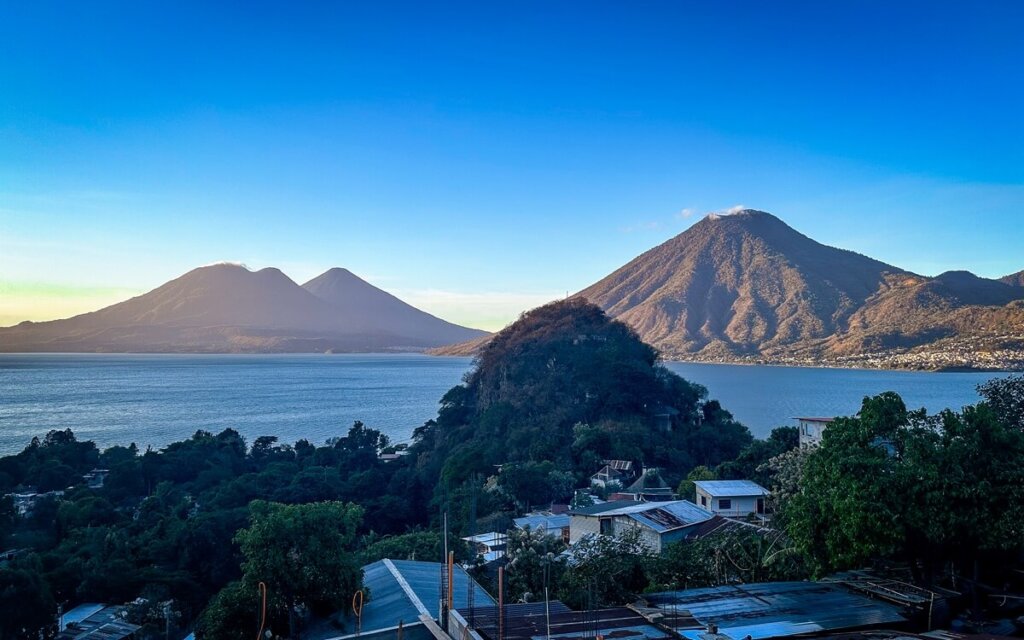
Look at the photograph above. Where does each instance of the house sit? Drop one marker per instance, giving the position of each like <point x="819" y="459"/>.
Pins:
<point x="767" y="610"/>
<point x="731" y="497"/>
<point x="556" y="524"/>
<point x="25" y="502"/>
<point x="811" y="429"/>
<point x="620" y="472"/>
<point x="649" y="487"/>
<point x="659" y="523"/>
<point x="93" y="620"/>
<point x="402" y="594"/>
<point x="95" y="478"/>
<point x="489" y="546"/>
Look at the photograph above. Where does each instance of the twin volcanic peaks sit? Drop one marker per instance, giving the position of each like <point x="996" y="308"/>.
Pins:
<point x="227" y="307"/>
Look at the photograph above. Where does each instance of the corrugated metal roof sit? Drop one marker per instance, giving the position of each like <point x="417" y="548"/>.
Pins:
<point x="776" y="609"/>
<point x="667" y="516"/>
<point x="731" y="488"/>
<point x="530" y="622"/>
<point x="81" y="612"/>
<point x="400" y="591"/>
<point x="603" y="507"/>
<point x="491" y="538"/>
<point x="538" y="521"/>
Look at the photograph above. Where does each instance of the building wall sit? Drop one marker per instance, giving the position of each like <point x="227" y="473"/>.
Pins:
<point x="649" y="537"/>
<point x="580" y="526"/>
<point x="741" y="506"/>
<point x="810" y="432"/>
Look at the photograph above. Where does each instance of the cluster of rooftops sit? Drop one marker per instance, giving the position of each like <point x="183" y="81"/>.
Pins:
<point x="409" y="601"/>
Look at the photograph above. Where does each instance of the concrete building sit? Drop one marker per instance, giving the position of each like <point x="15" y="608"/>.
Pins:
<point x="731" y="497"/>
<point x="659" y="523"/>
<point x="811" y="429"/>
<point x="620" y="472"/>
<point x="555" y="524"/>
<point x="489" y="546"/>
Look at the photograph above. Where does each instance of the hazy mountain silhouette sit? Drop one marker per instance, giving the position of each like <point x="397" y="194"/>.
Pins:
<point x="361" y="304"/>
<point x="228" y="308"/>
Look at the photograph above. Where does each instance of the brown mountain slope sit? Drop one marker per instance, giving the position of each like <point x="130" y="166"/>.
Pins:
<point x="223" y="308"/>
<point x="741" y="285"/>
<point x="747" y="287"/>
<point x="1014" y="279"/>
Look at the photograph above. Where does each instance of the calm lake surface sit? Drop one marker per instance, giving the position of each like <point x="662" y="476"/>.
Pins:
<point x="157" y="399"/>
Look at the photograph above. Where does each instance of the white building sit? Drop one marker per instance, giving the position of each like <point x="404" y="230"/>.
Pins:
<point x="731" y="497"/>
<point x="811" y="429"/>
<point x="660" y="523"/>
<point x="489" y="546"/>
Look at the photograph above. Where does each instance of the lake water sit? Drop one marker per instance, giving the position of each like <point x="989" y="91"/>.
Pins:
<point x="157" y="399"/>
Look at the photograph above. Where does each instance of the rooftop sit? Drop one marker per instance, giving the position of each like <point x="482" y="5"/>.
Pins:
<point x="604" y="507"/>
<point x="812" y="419"/>
<point x="400" y="591"/>
<point x="543" y="521"/>
<point x="771" y="610"/>
<point x="528" y="622"/>
<point x="660" y="516"/>
<point x="89" y="623"/>
<point x="731" y="488"/>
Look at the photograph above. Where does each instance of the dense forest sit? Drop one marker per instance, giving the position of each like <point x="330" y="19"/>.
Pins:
<point x="186" y="533"/>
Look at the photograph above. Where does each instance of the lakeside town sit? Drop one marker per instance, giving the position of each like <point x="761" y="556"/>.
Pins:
<point x="611" y="500"/>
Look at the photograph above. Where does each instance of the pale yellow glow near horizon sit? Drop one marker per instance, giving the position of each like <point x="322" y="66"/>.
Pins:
<point x="41" y="301"/>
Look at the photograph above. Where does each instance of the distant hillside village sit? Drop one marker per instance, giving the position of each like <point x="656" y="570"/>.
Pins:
<point x="570" y="488"/>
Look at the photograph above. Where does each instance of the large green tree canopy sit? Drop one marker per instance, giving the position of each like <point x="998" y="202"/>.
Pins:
<point x="567" y="385"/>
<point x="899" y="484"/>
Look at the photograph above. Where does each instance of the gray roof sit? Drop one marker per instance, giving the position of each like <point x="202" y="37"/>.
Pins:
<point x="665" y="516"/>
<point x="773" y="609"/>
<point x="659" y="516"/>
<point x="596" y="509"/>
<point x="731" y="488"/>
<point x="547" y="522"/>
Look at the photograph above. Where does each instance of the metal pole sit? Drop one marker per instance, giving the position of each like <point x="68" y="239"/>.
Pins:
<point x="547" y="611"/>
<point x="501" y="603"/>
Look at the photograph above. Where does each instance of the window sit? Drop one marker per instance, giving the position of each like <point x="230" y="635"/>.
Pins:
<point x="606" y="526"/>
<point x="725" y="504"/>
<point x="703" y="501"/>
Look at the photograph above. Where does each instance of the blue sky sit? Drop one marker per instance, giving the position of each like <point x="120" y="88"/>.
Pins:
<point x="480" y="158"/>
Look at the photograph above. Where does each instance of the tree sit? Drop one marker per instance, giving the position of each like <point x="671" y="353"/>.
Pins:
<point x="233" y="614"/>
<point x="1005" y="396"/>
<point x="737" y="552"/>
<point x="304" y="554"/>
<point x="687" y="490"/>
<point x="745" y="466"/>
<point x="929" y="490"/>
<point x="535" y="483"/>
<point x="535" y="564"/>
<point x="606" y="570"/>
<point x="415" y="545"/>
<point x="25" y="601"/>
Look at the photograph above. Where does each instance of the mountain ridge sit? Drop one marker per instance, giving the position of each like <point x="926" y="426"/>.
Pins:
<point x="746" y="287"/>
<point x="228" y="308"/>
